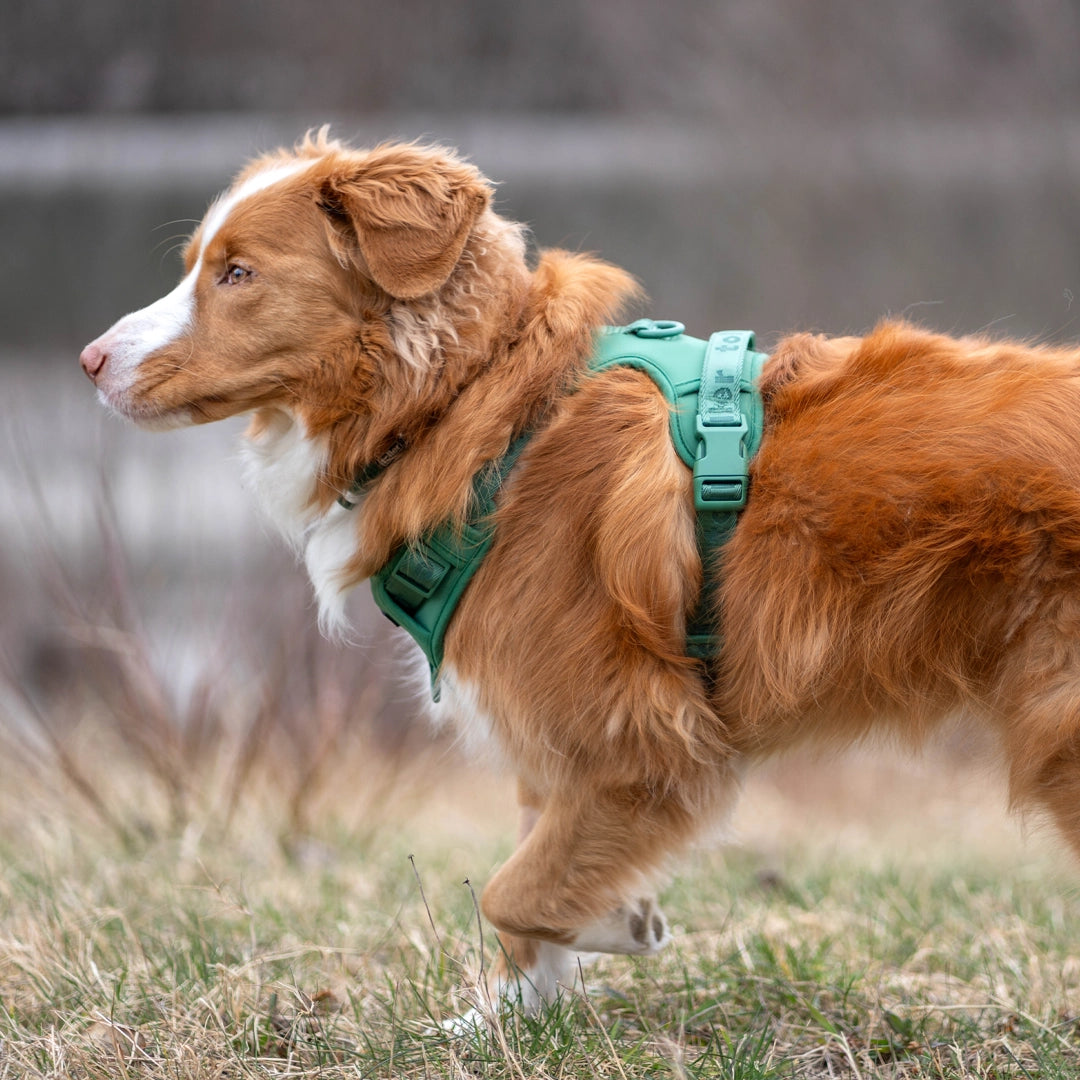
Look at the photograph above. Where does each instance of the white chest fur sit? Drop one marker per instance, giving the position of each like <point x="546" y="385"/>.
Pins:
<point x="282" y="466"/>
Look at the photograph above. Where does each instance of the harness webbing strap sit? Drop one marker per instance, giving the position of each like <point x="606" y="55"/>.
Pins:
<point x="721" y="375"/>
<point x="720" y="471"/>
<point x="713" y="531"/>
<point x="419" y="588"/>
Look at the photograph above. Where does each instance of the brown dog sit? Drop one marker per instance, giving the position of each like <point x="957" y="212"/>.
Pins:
<point x="911" y="547"/>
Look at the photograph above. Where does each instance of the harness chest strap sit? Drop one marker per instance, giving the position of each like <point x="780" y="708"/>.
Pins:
<point x="716" y="425"/>
<point x="419" y="588"/>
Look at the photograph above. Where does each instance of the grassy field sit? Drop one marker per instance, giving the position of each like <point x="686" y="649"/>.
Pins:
<point x="227" y="851"/>
<point x="866" y="921"/>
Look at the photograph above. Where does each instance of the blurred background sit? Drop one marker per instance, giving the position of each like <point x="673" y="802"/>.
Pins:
<point x="774" y="164"/>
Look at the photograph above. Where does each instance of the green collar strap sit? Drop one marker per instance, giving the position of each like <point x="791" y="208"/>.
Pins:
<point x="716" y="425"/>
<point x="370" y="471"/>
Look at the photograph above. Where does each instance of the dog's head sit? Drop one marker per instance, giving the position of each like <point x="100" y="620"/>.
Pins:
<point x="321" y="275"/>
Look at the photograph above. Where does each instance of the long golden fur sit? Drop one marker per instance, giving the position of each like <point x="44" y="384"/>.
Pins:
<point x="911" y="547"/>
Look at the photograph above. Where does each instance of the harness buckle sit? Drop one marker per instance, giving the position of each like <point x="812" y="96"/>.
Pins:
<point x="720" y="473"/>
<point x="721" y="470"/>
<point x="414" y="576"/>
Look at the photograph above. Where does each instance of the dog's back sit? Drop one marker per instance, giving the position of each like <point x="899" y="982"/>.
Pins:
<point x="923" y="497"/>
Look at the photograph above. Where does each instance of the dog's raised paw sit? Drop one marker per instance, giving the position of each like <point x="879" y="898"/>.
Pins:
<point x="637" y="928"/>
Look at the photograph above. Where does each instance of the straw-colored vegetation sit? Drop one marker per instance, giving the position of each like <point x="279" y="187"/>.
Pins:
<point x="261" y="882"/>
<point x="233" y="947"/>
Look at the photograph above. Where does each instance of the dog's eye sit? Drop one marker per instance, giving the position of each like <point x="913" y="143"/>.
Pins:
<point x="234" y="274"/>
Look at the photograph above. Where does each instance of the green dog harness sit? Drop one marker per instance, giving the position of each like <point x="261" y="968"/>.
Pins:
<point x="717" y="418"/>
<point x="716" y="426"/>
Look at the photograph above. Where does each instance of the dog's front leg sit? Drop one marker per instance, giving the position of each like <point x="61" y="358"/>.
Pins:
<point x="529" y="970"/>
<point x="578" y="881"/>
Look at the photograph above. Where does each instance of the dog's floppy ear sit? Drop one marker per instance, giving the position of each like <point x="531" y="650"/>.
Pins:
<point x="412" y="210"/>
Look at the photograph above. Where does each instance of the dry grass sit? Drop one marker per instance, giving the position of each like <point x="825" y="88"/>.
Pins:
<point x="220" y="876"/>
<point x="847" y="935"/>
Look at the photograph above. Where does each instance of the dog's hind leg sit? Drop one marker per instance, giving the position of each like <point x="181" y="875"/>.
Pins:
<point x="1051" y="783"/>
<point x="1058" y="793"/>
<point x="1039" y="707"/>
<point x="580" y="878"/>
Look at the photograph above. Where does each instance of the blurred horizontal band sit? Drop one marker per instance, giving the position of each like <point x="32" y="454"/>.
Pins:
<point x="204" y="150"/>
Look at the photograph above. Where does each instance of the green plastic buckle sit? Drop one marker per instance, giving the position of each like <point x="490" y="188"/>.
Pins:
<point x="414" y="577"/>
<point x="721" y="471"/>
<point x="418" y="573"/>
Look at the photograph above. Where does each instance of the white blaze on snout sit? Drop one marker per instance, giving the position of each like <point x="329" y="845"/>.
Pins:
<point x="142" y="333"/>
